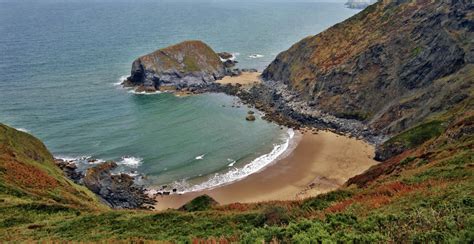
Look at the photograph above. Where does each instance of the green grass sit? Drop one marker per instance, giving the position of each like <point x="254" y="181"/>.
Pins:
<point x="200" y="203"/>
<point x="190" y="64"/>
<point x="419" y="134"/>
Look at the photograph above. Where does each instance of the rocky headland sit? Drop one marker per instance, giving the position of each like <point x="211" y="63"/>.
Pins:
<point x="390" y="67"/>
<point x="177" y="66"/>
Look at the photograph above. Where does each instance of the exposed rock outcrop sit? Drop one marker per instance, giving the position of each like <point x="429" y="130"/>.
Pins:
<point x="70" y="170"/>
<point x="118" y="190"/>
<point x="390" y="66"/>
<point x="180" y="65"/>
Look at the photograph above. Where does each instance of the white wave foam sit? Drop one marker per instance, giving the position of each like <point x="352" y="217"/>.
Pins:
<point x="144" y="93"/>
<point x="234" y="56"/>
<point x="23" y="130"/>
<point x="232" y="162"/>
<point x="200" y="157"/>
<point x="121" y="80"/>
<point x="73" y="159"/>
<point x="131" y="162"/>
<point x="256" y="56"/>
<point x="236" y="174"/>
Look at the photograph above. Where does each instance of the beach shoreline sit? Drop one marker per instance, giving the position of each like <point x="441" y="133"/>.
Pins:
<point x="246" y="79"/>
<point x="318" y="162"/>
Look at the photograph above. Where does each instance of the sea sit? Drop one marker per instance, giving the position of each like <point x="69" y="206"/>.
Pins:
<point x="61" y="63"/>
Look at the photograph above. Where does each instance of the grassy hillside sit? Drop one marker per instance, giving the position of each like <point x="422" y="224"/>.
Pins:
<point x="405" y="67"/>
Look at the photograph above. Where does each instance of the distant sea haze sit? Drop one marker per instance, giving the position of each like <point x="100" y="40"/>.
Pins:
<point x="61" y="60"/>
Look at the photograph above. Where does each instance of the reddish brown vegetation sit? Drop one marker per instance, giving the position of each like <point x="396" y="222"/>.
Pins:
<point x="376" y="171"/>
<point x="27" y="176"/>
<point x="381" y="195"/>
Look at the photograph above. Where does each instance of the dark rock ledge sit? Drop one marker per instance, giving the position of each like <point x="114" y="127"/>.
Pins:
<point x="116" y="190"/>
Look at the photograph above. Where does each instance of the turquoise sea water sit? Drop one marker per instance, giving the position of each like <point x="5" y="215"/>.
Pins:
<point x="59" y="62"/>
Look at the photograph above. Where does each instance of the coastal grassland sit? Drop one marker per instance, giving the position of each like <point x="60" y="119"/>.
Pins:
<point x="28" y="174"/>
<point x="189" y="56"/>
<point x="422" y="195"/>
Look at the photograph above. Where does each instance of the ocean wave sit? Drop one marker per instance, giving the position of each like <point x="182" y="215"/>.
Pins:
<point x="236" y="174"/>
<point x="121" y="80"/>
<point x="132" y="162"/>
<point x="256" y="56"/>
<point x="129" y="161"/>
<point x="144" y="92"/>
<point x="232" y="162"/>
<point x="23" y="130"/>
<point x="80" y="159"/>
<point x="234" y="56"/>
<point x="200" y="157"/>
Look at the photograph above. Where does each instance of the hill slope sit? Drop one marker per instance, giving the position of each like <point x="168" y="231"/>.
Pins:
<point x="28" y="174"/>
<point x="391" y="65"/>
<point x="370" y="68"/>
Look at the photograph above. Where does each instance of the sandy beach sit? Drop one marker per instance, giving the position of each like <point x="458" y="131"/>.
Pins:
<point x="245" y="79"/>
<point x="318" y="163"/>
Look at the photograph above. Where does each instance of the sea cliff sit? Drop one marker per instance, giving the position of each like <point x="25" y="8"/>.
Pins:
<point x="390" y="67"/>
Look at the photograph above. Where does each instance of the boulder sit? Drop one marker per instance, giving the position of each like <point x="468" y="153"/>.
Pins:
<point x="225" y="55"/>
<point x="250" y="117"/>
<point x="69" y="169"/>
<point x="229" y="63"/>
<point x="183" y="64"/>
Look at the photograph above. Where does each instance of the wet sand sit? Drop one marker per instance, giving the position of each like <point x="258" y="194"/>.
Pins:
<point x="318" y="163"/>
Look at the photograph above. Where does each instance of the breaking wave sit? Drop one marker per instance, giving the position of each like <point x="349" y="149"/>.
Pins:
<point x="235" y="174"/>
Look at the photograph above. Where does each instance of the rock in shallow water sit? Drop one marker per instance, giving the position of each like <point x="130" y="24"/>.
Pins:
<point x="250" y="117"/>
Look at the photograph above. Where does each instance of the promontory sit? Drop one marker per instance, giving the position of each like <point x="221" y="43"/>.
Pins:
<point x="181" y="65"/>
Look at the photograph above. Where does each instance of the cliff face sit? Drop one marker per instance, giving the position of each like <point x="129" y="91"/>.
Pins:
<point x="391" y="65"/>
<point x="189" y="62"/>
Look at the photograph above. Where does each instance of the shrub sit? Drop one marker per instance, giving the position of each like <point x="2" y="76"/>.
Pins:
<point x="323" y="201"/>
<point x="276" y="215"/>
<point x="200" y="203"/>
